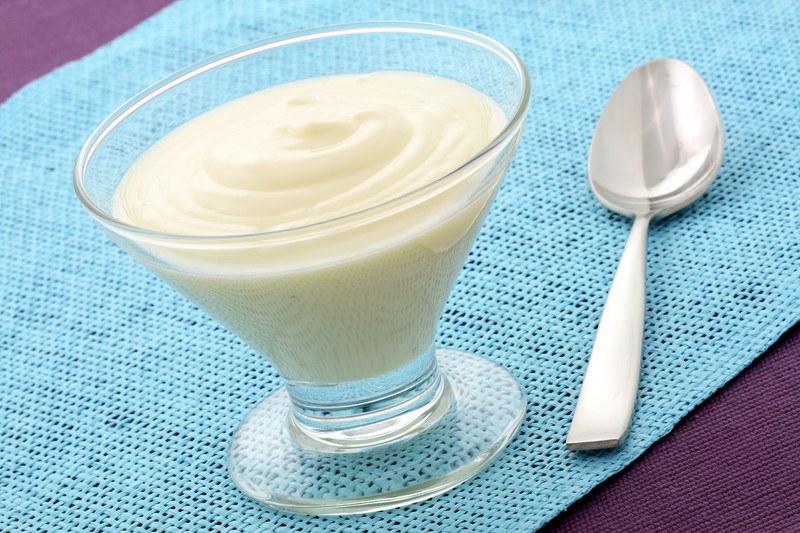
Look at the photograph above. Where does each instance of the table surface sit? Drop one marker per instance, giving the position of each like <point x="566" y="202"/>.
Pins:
<point x="730" y="478"/>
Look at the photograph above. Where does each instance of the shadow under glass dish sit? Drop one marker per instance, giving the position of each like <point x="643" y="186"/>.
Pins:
<point x="402" y="421"/>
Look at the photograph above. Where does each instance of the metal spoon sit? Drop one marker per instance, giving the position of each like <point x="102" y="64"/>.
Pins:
<point x="657" y="148"/>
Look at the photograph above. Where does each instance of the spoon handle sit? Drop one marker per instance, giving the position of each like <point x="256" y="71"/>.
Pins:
<point x="608" y="394"/>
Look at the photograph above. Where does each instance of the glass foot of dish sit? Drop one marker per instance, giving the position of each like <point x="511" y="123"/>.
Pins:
<point x="269" y="466"/>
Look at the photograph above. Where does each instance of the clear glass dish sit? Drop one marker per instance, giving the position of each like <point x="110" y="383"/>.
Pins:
<point x="371" y="416"/>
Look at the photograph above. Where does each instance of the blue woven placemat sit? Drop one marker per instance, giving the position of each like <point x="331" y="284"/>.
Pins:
<point x="118" y="397"/>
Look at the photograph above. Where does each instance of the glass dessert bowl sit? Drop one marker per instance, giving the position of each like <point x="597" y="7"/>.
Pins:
<point x="371" y="415"/>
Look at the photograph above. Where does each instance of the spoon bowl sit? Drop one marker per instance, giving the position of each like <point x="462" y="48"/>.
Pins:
<point x="659" y="142"/>
<point x="658" y="147"/>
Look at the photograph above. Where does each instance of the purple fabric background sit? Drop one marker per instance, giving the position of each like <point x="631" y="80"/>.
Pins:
<point x="731" y="465"/>
<point x="37" y="36"/>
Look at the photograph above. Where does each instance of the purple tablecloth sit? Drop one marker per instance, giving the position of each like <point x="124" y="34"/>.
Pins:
<point x="731" y="465"/>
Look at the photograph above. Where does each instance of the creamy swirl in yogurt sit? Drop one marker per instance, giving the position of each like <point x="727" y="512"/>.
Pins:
<point x="305" y="152"/>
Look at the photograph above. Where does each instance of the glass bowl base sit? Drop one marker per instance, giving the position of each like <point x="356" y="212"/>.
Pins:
<point x="268" y="465"/>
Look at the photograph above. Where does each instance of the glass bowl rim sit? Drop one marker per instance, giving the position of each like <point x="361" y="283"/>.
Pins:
<point x="285" y="39"/>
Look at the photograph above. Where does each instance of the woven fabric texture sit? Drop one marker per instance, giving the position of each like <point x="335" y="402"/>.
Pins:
<point x="118" y="396"/>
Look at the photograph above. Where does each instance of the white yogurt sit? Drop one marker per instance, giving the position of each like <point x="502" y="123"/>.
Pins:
<point x="338" y="301"/>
